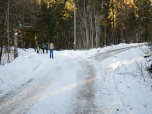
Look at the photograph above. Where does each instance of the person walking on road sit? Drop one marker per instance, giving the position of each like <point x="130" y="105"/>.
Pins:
<point x="37" y="48"/>
<point x="47" y="48"/>
<point x="43" y="47"/>
<point x="52" y="47"/>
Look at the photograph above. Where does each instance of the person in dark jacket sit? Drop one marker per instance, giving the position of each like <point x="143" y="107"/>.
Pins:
<point x="51" y="47"/>
<point x="47" y="48"/>
<point x="43" y="47"/>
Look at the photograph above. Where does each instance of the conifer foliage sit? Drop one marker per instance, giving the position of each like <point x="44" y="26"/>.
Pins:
<point x="98" y="23"/>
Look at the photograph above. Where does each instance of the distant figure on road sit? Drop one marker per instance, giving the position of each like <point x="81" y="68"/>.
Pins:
<point x="43" y="47"/>
<point x="37" y="46"/>
<point x="51" y="47"/>
<point x="47" y="48"/>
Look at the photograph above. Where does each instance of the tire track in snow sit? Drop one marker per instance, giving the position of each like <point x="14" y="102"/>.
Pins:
<point x="101" y="56"/>
<point x="24" y="96"/>
<point x="86" y="92"/>
<point x="104" y="55"/>
<point x="21" y="101"/>
<point x="120" y="95"/>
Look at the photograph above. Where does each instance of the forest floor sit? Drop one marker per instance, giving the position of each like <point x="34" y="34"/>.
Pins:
<point x="98" y="81"/>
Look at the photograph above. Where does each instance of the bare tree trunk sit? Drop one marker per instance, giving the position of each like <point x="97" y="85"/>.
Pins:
<point x="84" y="43"/>
<point x="135" y="36"/>
<point x="91" y="38"/>
<point x="113" y="32"/>
<point x="105" y="32"/>
<point x="74" y="25"/>
<point x="91" y="26"/>
<point x="105" y="39"/>
<point x="1" y="52"/>
<point x="113" y="25"/>
<point x="86" y="26"/>
<point x="97" y="29"/>
<point x="1" y="44"/>
<point x="92" y="31"/>
<point x="8" y="29"/>
<point x="144" y="34"/>
<point x="87" y="37"/>
<point x="15" y="45"/>
<point x="127" y="38"/>
<point x="149" y="33"/>
<point x="138" y="32"/>
<point x="121" y="30"/>
<point x="95" y="23"/>
<point x="126" y="34"/>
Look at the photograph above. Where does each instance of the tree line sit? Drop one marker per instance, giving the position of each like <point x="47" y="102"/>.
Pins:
<point x="98" y="23"/>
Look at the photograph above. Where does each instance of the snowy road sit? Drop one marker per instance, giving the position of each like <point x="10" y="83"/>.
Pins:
<point x="71" y="83"/>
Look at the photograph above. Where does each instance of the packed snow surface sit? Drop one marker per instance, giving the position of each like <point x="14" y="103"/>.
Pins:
<point x="98" y="81"/>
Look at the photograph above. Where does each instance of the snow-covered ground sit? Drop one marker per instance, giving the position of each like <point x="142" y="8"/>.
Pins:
<point x="99" y="81"/>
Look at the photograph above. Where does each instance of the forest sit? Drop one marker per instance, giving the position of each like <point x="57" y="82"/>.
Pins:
<point x="99" y="23"/>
